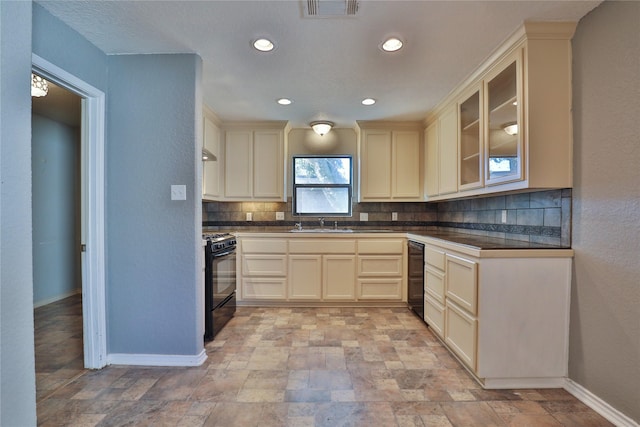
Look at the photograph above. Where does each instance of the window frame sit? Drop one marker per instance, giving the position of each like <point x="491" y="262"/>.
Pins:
<point x="295" y="186"/>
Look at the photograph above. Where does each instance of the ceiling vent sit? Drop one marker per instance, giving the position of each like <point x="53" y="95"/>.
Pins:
<point x="329" y="8"/>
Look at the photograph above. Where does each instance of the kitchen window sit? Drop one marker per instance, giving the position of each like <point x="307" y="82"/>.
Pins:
<point x="322" y="185"/>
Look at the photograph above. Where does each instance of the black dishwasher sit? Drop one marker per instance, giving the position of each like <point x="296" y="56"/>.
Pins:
<point x="416" y="278"/>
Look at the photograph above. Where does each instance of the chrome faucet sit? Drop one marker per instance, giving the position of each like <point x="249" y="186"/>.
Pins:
<point x="321" y="219"/>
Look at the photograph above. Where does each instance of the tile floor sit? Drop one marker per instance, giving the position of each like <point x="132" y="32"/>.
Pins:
<point x="289" y="367"/>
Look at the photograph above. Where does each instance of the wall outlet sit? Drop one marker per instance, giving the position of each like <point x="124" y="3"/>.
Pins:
<point x="249" y="216"/>
<point x="279" y="216"/>
<point x="178" y="192"/>
<point x="394" y="216"/>
<point x="504" y="216"/>
<point x="364" y="216"/>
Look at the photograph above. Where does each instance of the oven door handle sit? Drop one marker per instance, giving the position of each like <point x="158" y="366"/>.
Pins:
<point x="224" y="253"/>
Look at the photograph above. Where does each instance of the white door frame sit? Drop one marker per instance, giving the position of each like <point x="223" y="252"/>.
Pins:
<point x="92" y="208"/>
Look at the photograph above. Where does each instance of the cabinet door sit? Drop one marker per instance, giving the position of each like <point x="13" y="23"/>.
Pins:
<point x="503" y="90"/>
<point x="434" y="315"/>
<point x="264" y="288"/>
<point x="376" y="165"/>
<point x="470" y="143"/>
<point x="268" y="165"/>
<point x="448" y="151"/>
<point x="238" y="164"/>
<point x="211" y="167"/>
<point x="305" y="275"/>
<point x="338" y="278"/>
<point x="432" y="162"/>
<point x="461" y="333"/>
<point x="406" y="165"/>
<point x="462" y="282"/>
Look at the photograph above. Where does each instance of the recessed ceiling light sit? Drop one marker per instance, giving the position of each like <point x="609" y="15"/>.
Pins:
<point x="263" y="45"/>
<point x="284" y="101"/>
<point x="368" y="101"/>
<point x="391" y="44"/>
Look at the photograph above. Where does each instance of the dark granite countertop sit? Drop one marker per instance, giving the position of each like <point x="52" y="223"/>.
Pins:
<point x="481" y="242"/>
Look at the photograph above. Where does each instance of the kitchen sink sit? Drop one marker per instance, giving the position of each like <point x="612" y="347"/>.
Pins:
<point x="322" y="230"/>
<point x="339" y="230"/>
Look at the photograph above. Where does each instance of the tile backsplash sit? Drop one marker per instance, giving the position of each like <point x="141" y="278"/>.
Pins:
<point x="540" y="217"/>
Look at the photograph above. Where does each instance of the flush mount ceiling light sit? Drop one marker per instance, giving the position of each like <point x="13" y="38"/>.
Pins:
<point x="284" y="101"/>
<point x="263" y="45"/>
<point x="321" y="127"/>
<point x="368" y="101"/>
<point x="510" y="128"/>
<point x="39" y="86"/>
<point x="392" y="44"/>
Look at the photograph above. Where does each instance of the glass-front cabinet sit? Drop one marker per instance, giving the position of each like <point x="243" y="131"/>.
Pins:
<point x="503" y="101"/>
<point x="471" y="149"/>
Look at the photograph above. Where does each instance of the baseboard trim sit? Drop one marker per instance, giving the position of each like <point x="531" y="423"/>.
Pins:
<point x="598" y="405"/>
<point x="156" y="359"/>
<point x="48" y="301"/>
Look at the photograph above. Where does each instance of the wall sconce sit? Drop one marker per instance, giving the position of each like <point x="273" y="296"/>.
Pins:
<point x="321" y="127"/>
<point x="510" y="128"/>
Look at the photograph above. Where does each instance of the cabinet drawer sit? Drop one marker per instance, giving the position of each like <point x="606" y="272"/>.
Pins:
<point x="264" y="265"/>
<point x="322" y="246"/>
<point x="461" y="334"/>
<point x="377" y="289"/>
<point x="462" y="282"/>
<point x="380" y="265"/>
<point x="264" y="288"/>
<point x="269" y="246"/>
<point x="381" y="246"/>
<point x="434" y="315"/>
<point x="434" y="284"/>
<point x="434" y="258"/>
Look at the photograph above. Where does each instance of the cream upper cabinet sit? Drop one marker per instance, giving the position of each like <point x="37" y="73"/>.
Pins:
<point x="441" y="141"/>
<point x="254" y="164"/>
<point x="390" y="165"/>
<point x="211" y="166"/>
<point x="514" y="127"/>
<point x="471" y="149"/>
<point x="503" y="139"/>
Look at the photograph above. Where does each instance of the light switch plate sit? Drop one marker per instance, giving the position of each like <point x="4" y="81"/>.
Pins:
<point x="394" y="216"/>
<point x="504" y="216"/>
<point x="279" y="216"/>
<point x="364" y="216"/>
<point x="249" y="216"/>
<point x="178" y="192"/>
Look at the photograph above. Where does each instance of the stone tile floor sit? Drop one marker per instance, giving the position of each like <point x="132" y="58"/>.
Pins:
<point x="290" y="367"/>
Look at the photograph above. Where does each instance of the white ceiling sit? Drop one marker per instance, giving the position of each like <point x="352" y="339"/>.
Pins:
<point x="325" y="65"/>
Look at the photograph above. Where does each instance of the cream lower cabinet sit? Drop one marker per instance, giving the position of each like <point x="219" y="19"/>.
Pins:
<point x="434" y="287"/>
<point x="381" y="269"/>
<point x="461" y="291"/>
<point x="503" y="313"/>
<point x="320" y="270"/>
<point x="262" y="269"/>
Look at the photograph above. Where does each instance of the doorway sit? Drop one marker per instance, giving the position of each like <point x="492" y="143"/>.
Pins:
<point x="91" y="207"/>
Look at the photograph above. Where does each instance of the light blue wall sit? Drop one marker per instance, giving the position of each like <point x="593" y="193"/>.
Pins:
<point x="56" y="191"/>
<point x="17" y="366"/>
<point x="153" y="288"/>
<point x="59" y="44"/>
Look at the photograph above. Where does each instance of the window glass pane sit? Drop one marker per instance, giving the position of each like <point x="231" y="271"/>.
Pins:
<point x="322" y="170"/>
<point x="325" y="201"/>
